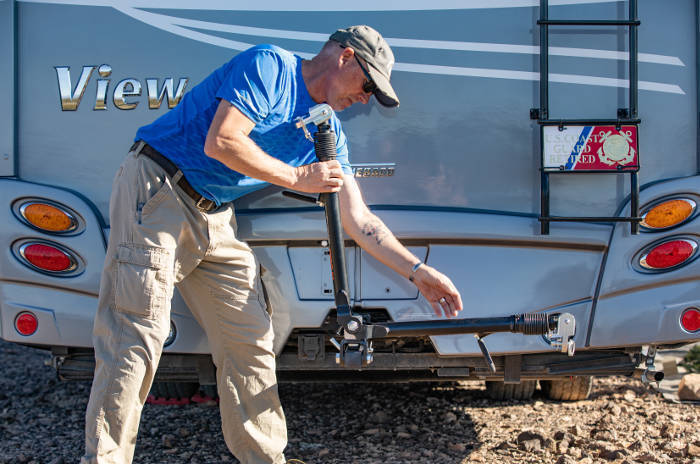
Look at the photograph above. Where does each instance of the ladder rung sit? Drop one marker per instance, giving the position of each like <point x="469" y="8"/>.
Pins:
<point x="588" y="22"/>
<point x="588" y="122"/>
<point x="588" y="219"/>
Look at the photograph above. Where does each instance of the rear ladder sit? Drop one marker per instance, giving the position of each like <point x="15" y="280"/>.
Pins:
<point x="611" y="136"/>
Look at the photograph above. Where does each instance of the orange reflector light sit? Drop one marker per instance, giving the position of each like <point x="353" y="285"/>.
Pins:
<point x="669" y="254"/>
<point x="47" y="217"/>
<point x="669" y="213"/>
<point x="47" y="257"/>
<point x="26" y="323"/>
<point x="690" y="319"/>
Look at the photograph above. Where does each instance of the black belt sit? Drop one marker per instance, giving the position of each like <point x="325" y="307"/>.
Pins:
<point x="202" y="203"/>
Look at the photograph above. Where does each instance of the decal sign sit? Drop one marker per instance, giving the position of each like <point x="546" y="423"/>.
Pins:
<point x="590" y="148"/>
<point x="125" y="94"/>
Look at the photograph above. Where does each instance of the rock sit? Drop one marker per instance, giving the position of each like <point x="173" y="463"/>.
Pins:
<point x="549" y="444"/>
<point x="574" y="452"/>
<point x="613" y="408"/>
<point x="168" y="440"/>
<point x="629" y="396"/>
<point x="639" y="446"/>
<point x="562" y="446"/>
<point x="611" y="455"/>
<point x="669" y="430"/>
<point x="675" y="445"/>
<point x="529" y="435"/>
<point x="646" y="457"/>
<point x="450" y="417"/>
<point x="323" y="452"/>
<point x="183" y="432"/>
<point x="476" y="457"/>
<point x="530" y="445"/>
<point x="604" y="435"/>
<point x="371" y="432"/>
<point x="565" y="460"/>
<point x="693" y="450"/>
<point x="457" y="447"/>
<point x="403" y="435"/>
<point x="576" y="430"/>
<point x="689" y="388"/>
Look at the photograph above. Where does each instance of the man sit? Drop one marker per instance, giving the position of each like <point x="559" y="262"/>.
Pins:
<point x="172" y="224"/>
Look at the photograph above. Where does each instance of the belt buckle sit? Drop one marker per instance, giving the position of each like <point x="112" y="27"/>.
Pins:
<point x="200" y="204"/>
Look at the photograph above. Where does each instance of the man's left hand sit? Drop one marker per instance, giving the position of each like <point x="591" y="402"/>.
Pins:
<point x="439" y="290"/>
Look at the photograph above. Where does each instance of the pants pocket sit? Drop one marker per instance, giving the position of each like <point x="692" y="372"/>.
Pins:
<point x="144" y="283"/>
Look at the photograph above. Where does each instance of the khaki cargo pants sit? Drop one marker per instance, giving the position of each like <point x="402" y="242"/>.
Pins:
<point x="160" y="240"/>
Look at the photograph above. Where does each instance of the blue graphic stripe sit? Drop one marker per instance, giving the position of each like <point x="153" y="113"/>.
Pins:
<point x="578" y="147"/>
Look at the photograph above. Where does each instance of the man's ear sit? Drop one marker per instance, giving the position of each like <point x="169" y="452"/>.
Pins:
<point x="346" y="56"/>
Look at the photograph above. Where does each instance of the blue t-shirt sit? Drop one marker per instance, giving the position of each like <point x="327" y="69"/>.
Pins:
<point x="266" y="85"/>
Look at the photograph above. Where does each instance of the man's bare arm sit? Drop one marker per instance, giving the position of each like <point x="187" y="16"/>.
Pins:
<point x="375" y="237"/>
<point x="228" y="142"/>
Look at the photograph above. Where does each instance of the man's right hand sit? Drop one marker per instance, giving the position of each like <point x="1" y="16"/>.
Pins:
<point x="320" y="177"/>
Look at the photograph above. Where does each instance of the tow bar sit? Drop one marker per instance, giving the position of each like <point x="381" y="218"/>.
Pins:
<point x="355" y="347"/>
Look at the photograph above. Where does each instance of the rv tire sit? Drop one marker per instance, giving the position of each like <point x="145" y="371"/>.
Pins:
<point x="568" y="389"/>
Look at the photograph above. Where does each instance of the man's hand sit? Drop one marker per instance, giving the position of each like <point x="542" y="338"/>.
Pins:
<point x="321" y="177"/>
<point x="439" y="290"/>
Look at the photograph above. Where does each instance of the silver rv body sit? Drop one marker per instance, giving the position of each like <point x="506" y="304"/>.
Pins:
<point x="454" y="173"/>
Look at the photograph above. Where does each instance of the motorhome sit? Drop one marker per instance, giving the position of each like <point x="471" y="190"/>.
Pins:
<point x="544" y="156"/>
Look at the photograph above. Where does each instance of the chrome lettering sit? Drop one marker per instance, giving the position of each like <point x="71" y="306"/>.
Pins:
<point x="155" y="98"/>
<point x="71" y="100"/>
<point x="104" y="70"/>
<point x="126" y="88"/>
<point x="373" y="171"/>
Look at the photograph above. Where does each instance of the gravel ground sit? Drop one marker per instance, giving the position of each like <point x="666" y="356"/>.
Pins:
<point x="41" y="421"/>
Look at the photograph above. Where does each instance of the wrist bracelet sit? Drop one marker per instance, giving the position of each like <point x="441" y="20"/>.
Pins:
<point x="414" y="269"/>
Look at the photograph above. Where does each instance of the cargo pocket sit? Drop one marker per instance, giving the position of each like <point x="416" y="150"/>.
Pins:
<point x="144" y="283"/>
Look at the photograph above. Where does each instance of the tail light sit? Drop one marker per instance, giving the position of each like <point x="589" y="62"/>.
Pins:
<point x="48" y="257"/>
<point x="669" y="213"/>
<point x="668" y="254"/>
<point x="171" y="335"/>
<point x="48" y="216"/>
<point x="690" y="320"/>
<point x="26" y="323"/>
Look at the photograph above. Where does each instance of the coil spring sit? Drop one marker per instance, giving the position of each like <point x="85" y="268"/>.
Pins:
<point x="324" y="143"/>
<point x="533" y="324"/>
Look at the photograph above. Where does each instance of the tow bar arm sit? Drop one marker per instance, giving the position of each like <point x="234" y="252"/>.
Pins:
<point x="355" y="346"/>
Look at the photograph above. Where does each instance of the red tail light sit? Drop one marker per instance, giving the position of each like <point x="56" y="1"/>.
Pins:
<point x="46" y="257"/>
<point x="669" y="254"/>
<point x="690" y="320"/>
<point x="26" y="323"/>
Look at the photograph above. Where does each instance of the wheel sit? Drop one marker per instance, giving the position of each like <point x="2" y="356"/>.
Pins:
<point x="511" y="391"/>
<point x="568" y="389"/>
<point x="174" y="389"/>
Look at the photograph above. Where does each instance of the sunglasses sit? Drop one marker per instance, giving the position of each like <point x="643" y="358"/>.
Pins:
<point x="368" y="86"/>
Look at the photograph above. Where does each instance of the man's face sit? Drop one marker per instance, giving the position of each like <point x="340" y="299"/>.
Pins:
<point x="346" y="83"/>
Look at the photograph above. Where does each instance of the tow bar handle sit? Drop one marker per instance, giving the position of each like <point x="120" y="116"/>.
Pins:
<point x="355" y="347"/>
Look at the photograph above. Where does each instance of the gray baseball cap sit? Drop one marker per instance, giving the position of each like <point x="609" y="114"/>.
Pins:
<point x="371" y="47"/>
